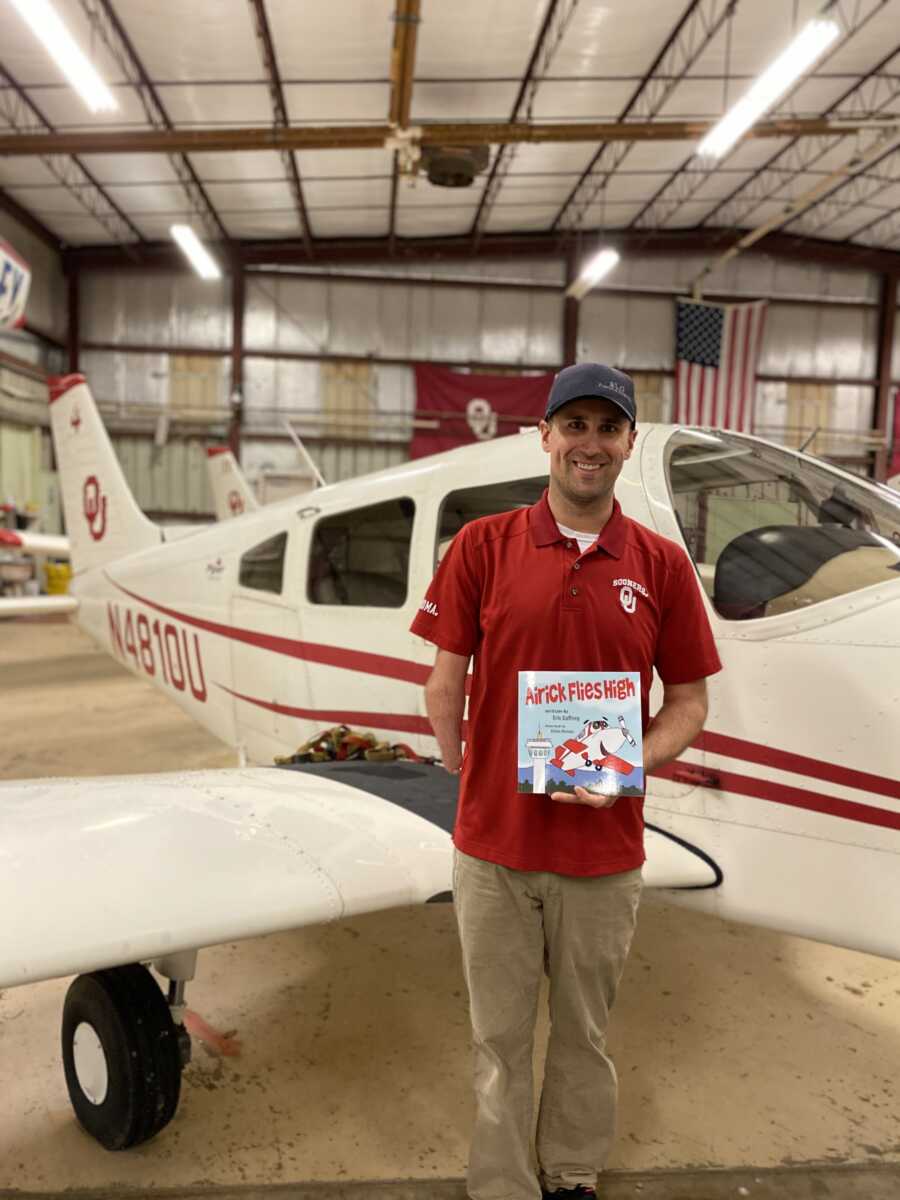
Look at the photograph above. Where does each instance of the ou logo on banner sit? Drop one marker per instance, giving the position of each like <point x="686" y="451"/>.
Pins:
<point x="482" y="419"/>
<point x="94" y="507"/>
<point x="235" y="503"/>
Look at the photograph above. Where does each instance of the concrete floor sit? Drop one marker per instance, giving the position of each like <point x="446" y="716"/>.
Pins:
<point x="744" y="1056"/>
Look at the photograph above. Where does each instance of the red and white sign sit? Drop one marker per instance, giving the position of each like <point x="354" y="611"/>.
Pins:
<point x="473" y="408"/>
<point x="15" y="280"/>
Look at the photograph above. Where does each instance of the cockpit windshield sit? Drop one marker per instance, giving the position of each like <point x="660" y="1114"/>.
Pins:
<point x="772" y="533"/>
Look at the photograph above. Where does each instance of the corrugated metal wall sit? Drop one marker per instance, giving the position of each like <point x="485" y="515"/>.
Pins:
<point x="331" y="324"/>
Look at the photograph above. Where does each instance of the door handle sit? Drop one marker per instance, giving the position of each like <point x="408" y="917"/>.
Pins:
<point x="695" y="775"/>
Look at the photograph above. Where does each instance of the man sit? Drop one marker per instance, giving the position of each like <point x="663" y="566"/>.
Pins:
<point x="553" y="882"/>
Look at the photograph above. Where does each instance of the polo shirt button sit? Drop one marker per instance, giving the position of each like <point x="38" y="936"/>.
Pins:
<point x="576" y="567"/>
<point x="574" y="591"/>
<point x="569" y="545"/>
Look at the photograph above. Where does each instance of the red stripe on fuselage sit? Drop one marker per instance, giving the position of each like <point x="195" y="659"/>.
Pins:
<point x="799" y="764"/>
<point x="406" y="724"/>
<point x="794" y="797"/>
<point x="716" y="743"/>
<point x="332" y="656"/>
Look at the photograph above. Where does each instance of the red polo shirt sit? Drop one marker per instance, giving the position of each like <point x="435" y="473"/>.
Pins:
<point x="516" y="593"/>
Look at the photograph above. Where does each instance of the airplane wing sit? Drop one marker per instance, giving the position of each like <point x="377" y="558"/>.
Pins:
<point x="35" y="543"/>
<point x="101" y="872"/>
<point x="35" y="606"/>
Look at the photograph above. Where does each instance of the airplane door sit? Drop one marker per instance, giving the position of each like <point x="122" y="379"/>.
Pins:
<point x="268" y="676"/>
<point x="358" y="592"/>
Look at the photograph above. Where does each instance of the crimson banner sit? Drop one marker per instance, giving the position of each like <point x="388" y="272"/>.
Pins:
<point x="894" y="462"/>
<point x="472" y="408"/>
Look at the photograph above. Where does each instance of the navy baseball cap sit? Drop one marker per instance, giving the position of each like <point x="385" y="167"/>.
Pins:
<point x="592" y="379"/>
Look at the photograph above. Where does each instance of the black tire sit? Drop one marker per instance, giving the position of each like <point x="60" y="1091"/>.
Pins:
<point x="129" y="1015"/>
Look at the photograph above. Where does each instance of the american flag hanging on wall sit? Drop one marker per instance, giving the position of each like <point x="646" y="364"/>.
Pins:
<point x="716" y="352"/>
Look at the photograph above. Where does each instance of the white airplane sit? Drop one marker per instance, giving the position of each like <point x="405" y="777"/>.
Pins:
<point x="231" y="498"/>
<point x="595" y="744"/>
<point x="784" y="813"/>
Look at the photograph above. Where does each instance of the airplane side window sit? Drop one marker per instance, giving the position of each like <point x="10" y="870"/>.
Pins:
<point x="467" y="504"/>
<point x="262" y="567"/>
<point x="362" y="557"/>
<point x="771" y="533"/>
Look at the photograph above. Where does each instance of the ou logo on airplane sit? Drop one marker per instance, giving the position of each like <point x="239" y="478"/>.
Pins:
<point x="235" y="503"/>
<point x="94" y="507"/>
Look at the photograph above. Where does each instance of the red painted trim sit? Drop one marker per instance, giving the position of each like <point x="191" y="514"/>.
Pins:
<point x="60" y="384"/>
<point x="212" y="451"/>
<point x="400" y="721"/>
<point x="794" y="797"/>
<point x="14" y="255"/>
<point x="332" y="656"/>
<point x="784" y="760"/>
<point x="8" y="538"/>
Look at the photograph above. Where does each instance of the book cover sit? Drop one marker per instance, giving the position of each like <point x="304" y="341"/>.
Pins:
<point x="580" y="728"/>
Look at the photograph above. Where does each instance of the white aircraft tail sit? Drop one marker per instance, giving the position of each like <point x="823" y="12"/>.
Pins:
<point x="231" y="491"/>
<point x="102" y="518"/>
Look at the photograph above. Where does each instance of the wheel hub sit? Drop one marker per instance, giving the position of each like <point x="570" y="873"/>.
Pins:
<point x="90" y="1063"/>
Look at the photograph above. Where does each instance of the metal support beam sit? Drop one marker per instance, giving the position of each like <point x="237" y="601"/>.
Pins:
<point x="693" y="173"/>
<point x="403" y="70"/>
<point x="236" y="392"/>
<point x="699" y="24"/>
<point x="73" y="320"/>
<point x="279" y="108"/>
<point x="571" y="312"/>
<point x="105" y="23"/>
<point x="164" y="256"/>
<point x="887" y="323"/>
<point x="374" y="137"/>
<point x="28" y="221"/>
<point x="553" y="27"/>
<point x="20" y="112"/>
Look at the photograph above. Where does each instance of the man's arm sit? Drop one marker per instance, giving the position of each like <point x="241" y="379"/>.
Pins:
<point x="676" y="724"/>
<point x="674" y="727"/>
<point x="445" y="701"/>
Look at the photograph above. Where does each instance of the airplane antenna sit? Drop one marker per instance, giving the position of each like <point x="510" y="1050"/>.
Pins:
<point x="812" y="437"/>
<point x="304" y="453"/>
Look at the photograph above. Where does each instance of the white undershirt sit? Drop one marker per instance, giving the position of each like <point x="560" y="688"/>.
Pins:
<point x="584" y="540"/>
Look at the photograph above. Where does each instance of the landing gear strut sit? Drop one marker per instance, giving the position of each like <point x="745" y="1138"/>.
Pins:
<point x="123" y="1050"/>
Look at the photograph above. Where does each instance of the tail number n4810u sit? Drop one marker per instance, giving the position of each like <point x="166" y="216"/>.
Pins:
<point x="158" y="643"/>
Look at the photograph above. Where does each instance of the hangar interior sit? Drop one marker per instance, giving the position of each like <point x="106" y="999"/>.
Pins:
<point x="385" y="183"/>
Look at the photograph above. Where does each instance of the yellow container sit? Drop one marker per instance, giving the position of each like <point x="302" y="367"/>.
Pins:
<point x="58" y="576"/>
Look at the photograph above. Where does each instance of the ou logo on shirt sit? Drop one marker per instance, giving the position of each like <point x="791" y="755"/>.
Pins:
<point x="627" y="599"/>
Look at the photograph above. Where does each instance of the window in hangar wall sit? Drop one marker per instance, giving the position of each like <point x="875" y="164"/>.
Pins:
<point x="770" y="533"/>
<point x="361" y="557"/>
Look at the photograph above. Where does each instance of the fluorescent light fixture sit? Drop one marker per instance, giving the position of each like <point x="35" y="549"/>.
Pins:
<point x="812" y="40"/>
<point x="197" y="254"/>
<point x="50" y="31"/>
<point x="592" y="272"/>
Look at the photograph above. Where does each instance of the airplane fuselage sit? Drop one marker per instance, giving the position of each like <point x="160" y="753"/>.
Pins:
<point x="792" y="787"/>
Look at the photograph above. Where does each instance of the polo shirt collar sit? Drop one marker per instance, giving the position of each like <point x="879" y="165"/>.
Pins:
<point x="544" y="529"/>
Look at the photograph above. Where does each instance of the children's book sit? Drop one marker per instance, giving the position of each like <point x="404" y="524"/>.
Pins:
<point x="580" y="728"/>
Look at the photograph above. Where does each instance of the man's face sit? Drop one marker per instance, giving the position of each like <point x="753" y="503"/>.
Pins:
<point x="588" y="441"/>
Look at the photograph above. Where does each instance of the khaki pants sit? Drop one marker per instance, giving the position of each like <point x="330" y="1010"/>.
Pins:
<point x="513" y="925"/>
